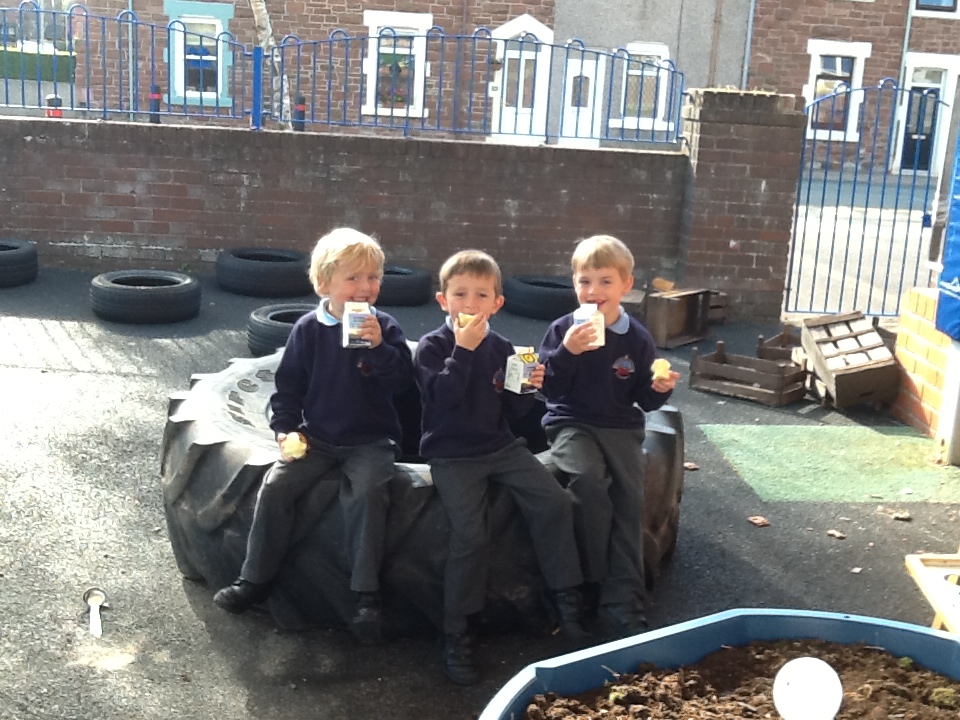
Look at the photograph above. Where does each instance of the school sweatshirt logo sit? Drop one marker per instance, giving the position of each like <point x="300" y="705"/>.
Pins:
<point x="498" y="377"/>
<point x="364" y="367"/>
<point x="623" y="367"/>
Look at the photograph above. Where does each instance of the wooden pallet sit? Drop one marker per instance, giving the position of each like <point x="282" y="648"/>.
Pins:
<point x="936" y="575"/>
<point x="678" y="317"/>
<point x="719" y="302"/>
<point x="779" y="347"/>
<point x="851" y="359"/>
<point x="770" y="382"/>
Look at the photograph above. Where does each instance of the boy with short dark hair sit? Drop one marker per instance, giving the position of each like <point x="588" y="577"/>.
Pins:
<point x="596" y="397"/>
<point x="468" y="443"/>
<point x="339" y="401"/>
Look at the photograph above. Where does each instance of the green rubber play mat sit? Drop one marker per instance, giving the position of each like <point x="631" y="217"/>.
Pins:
<point x="836" y="464"/>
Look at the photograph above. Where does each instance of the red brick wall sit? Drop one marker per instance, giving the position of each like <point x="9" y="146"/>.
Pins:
<point x="922" y="354"/>
<point x="935" y="35"/>
<point x="101" y="195"/>
<point x="741" y="190"/>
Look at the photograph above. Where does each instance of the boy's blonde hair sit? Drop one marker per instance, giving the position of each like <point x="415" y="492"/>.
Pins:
<point x="471" y="262"/>
<point x="343" y="247"/>
<point x="602" y="251"/>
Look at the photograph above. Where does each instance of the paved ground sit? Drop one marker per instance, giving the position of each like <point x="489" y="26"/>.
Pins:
<point x="83" y="409"/>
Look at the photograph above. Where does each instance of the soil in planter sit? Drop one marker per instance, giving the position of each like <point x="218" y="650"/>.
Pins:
<point x="738" y="683"/>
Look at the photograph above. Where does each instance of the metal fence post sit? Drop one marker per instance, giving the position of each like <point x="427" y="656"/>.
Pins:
<point x="256" y="111"/>
<point x="155" y="97"/>
<point x="300" y="113"/>
<point x="54" y="106"/>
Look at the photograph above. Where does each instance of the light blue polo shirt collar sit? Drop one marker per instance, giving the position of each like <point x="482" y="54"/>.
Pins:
<point x="622" y="323"/>
<point x="324" y="316"/>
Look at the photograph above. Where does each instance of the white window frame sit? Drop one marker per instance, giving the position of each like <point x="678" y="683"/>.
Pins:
<point x="644" y="123"/>
<point x="953" y="14"/>
<point x="177" y="70"/>
<point x="859" y="51"/>
<point x="406" y="25"/>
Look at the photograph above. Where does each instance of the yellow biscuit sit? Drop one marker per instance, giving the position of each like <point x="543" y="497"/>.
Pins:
<point x="661" y="369"/>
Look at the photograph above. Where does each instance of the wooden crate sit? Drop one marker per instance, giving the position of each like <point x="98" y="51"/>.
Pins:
<point x="771" y="382"/>
<point x="851" y="359"/>
<point x="635" y="304"/>
<point x="718" y="306"/>
<point x="779" y="347"/>
<point x="677" y="317"/>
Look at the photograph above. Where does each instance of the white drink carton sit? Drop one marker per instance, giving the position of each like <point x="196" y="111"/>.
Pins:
<point x="519" y="368"/>
<point x="588" y="312"/>
<point x="354" y="314"/>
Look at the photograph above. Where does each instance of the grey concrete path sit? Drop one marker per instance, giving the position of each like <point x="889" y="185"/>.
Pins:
<point x="83" y="409"/>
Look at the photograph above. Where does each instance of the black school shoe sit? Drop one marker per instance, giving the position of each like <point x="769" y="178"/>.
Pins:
<point x="622" y="620"/>
<point x="367" y="624"/>
<point x="241" y="595"/>
<point x="458" y="663"/>
<point x="569" y="607"/>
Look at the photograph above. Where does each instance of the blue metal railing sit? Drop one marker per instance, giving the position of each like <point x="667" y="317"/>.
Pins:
<point x="455" y="85"/>
<point x="864" y="200"/>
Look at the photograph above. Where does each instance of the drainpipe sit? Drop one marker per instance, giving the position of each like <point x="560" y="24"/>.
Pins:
<point x="906" y="44"/>
<point x="746" y="51"/>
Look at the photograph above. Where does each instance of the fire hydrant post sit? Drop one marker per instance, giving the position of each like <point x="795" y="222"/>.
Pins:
<point x="299" y="113"/>
<point x="155" y="97"/>
<point x="54" y="106"/>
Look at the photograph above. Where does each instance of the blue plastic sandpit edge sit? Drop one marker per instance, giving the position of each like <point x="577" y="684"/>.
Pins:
<point x="688" y="642"/>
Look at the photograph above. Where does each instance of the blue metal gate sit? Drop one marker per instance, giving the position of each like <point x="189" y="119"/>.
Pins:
<point x="864" y="200"/>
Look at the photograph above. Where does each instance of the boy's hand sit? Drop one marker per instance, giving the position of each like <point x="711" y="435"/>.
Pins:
<point x="580" y="338"/>
<point x="663" y="385"/>
<point x="371" y="330"/>
<point x="536" y="376"/>
<point x="470" y="336"/>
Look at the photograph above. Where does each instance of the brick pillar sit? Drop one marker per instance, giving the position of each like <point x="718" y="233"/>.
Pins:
<point x="739" y="200"/>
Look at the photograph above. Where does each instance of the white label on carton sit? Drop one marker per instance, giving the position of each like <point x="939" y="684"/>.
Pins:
<point x="517" y="376"/>
<point x="354" y="314"/>
<point x="588" y="313"/>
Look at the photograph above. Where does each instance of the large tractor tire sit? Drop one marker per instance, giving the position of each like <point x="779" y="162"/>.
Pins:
<point x="217" y="447"/>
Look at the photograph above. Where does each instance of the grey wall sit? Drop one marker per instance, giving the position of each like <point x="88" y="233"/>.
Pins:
<point x="685" y="26"/>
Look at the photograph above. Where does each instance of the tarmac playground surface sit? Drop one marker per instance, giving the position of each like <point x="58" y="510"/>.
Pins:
<point x="83" y="410"/>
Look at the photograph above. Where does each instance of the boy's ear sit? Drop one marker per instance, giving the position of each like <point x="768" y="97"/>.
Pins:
<point x="442" y="301"/>
<point x="629" y="284"/>
<point x="497" y="304"/>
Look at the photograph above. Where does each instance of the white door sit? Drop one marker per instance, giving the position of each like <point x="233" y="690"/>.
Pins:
<point x="580" y="121"/>
<point x="520" y="89"/>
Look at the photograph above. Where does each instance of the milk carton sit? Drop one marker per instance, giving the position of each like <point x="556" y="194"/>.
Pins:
<point x="354" y="314"/>
<point x="588" y="313"/>
<point x="519" y="368"/>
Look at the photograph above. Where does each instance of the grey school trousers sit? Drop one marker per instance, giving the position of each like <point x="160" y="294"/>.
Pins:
<point x="606" y="467"/>
<point x="462" y="484"/>
<point x="364" y="498"/>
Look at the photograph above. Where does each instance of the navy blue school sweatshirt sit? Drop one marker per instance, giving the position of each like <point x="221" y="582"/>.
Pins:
<point x="341" y="396"/>
<point x="465" y="408"/>
<point x="599" y="387"/>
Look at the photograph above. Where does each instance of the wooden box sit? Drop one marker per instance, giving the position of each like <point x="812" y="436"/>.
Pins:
<point x="851" y="359"/>
<point x="771" y="382"/>
<point x="677" y="317"/>
<point x="718" y="306"/>
<point x="779" y="347"/>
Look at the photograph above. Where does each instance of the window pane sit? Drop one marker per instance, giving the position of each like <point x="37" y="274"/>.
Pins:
<point x="830" y="113"/>
<point x="519" y="85"/>
<point x="580" y="91"/>
<point x="641" y="95"/>
<point x="946" y="5"/>
<point x="200" y="61"/>
<point x="928" y="76"/>
<point x="394" y="77"/>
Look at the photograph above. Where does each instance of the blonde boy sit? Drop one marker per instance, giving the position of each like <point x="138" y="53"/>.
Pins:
<point x="467" y="441"/>
<point x="596" y="398"/>
<point x="341" y="400"/>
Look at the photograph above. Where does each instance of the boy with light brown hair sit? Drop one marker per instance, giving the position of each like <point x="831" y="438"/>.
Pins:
<point x="596" y="397"/>
<point x="340" y="401"/>
<point x="467" y="441"/>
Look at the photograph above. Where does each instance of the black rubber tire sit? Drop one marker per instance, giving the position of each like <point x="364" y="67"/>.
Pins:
<point x="264" y="272"/>
<point x="18" y="262"/>
<point x="217" y="446"/>
<point x="268" y="327"/>
<point x="544" y="297"/>
<point x="145" y="297"/>
<point x="405" y="286"/>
